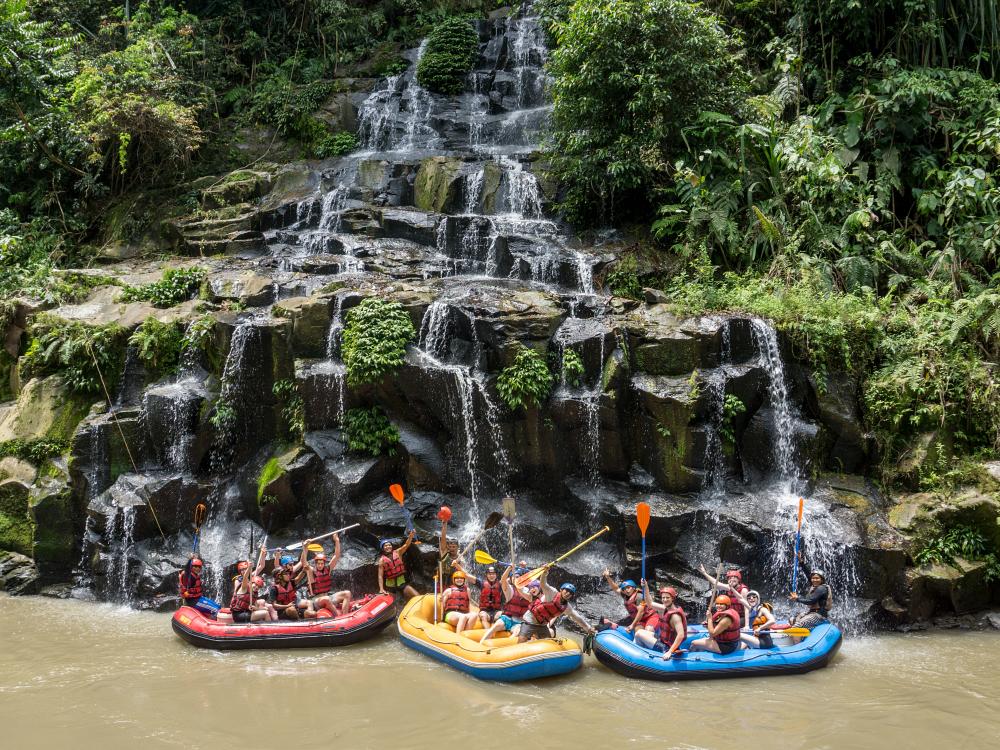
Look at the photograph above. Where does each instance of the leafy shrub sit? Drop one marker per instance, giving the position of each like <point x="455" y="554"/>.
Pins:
<point x="293" y="408"/>
<point x="158" y="346"/>
<point x="336" y="144"/>
<point x="370" y="431"/>
<point x="36" y="451"/>
<point x="628" y="76"/>
<point x="572" y="368"/>
<point x="80" y="353"/>
<point x="527" y="382"/>
<point x="449" y="56"/>
<point x="177" y="285"/>
<point x="375" y="339"/>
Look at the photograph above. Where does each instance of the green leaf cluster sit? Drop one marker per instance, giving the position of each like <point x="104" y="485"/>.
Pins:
<point x="526" y="382"/>
<point x="370" y="431"/>
<point x="80" y="353"/>
<point x="449" y="56"/>
<point x="375" y="339"/>
<point x="177" y="285"/>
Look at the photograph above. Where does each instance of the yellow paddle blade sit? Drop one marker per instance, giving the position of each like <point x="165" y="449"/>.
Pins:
<point x="483" y="558"/>
<point x="315" y="547"/>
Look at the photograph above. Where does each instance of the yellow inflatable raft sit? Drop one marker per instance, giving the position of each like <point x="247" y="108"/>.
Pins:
<point x="501" y="658"/>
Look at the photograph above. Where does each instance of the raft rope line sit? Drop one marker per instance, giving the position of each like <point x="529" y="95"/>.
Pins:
<point x="128" y="450"/>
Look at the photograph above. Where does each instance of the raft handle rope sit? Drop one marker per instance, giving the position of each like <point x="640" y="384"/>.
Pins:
<point x="128" y="450"/>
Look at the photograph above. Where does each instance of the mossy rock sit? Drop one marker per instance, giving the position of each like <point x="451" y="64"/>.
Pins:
<point x="438" y="186"/>
<point x="16" y="528"/>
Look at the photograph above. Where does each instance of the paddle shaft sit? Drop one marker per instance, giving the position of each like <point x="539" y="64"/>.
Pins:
<point x="298" y="545"/>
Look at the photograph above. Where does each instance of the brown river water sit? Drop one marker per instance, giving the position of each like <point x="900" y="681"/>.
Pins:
<point x="79" y="675"/>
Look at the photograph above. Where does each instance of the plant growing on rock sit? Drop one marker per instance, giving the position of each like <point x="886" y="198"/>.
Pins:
<point x="177" y="285"/>
<point x="527" y="382"/>
<point x="449" y="56"/>
<point x="81" y="354"/>
<point x="293" y="409"/>
<point x="158" y="346"/>
<point x="375" y="339"/>
<point x="370" y="431"/>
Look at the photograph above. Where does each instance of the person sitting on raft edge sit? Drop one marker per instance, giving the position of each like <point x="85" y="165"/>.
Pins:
<point x="545" y="611"/>
<point x="189" y="581"/>
<point x="630" y="595"/>
<point x="723" y="629"/>
<point x="819" y="599"/>
<point x="392" y="570"/>
<point x="666" y="627"/>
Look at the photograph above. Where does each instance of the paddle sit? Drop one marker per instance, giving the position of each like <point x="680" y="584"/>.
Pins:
<point x="491" y="521"/>
<point x="508" y="508"/>
<point x="642" y="518"/>
<point x="798" y="535"/>
<point x="532" y="575"/>
<point x="298" y="545"/>
<point x="396" y="490"/>
<point x="199" y="518"/>
<point x="484" y="558"/>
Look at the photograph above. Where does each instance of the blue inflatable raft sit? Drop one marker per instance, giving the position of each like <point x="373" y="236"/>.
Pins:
<point x="617" y="650"/>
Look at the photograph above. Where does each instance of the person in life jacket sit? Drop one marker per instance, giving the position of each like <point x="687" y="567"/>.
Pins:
<point x="723" y="629"/>
<point x="630" y="595"/>
<point x="759" y="618"/>
<point x="664" y="626"/>
<point x="516" y="603"/>
<point x="491" y="596"/>
<point x="244" y="605"/>
<point x="545" y="611"/>
<point x="819" y="599"/>
<point x="392" y="571"/>
<point x="189" y="581"/>
<point x="456" y="604"/>
<point x="733" y="587"/>
<point x="319" y="578"/>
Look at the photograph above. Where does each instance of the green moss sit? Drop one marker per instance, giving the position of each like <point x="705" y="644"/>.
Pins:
<point x="271" y="471"/>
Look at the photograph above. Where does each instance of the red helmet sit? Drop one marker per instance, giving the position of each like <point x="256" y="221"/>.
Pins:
<point x="723" y="599"/>
<point x="735" y="574"/>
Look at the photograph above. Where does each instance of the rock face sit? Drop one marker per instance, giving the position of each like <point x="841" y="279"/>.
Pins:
<point x="444" y="210"/>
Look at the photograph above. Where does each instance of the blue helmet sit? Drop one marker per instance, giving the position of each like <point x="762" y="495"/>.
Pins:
<point x="568" y="587"/>
<point x="287" y="559"/>
<point x="629" y="582"/>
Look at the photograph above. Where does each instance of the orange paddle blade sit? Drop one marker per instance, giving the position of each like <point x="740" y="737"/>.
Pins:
<point x="396" y="490"/>
<point x="801" y="505"/>
<point x="642" y="517"/>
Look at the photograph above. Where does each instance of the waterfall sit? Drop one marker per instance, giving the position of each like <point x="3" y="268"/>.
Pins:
<point x="766" y="339"/>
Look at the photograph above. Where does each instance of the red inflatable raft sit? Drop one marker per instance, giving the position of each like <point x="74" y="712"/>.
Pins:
<point x="365" y="621"/>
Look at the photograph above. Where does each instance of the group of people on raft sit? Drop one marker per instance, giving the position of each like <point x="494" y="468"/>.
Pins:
<point x="303" y="588"/>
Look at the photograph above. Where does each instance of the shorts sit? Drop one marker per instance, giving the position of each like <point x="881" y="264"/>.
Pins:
<point x="241" y="616"/>
<point x="727" y="647"/>
<point x="538" y="631"/>
<point x="509" y="623"/>
<point x="809" y="620"/>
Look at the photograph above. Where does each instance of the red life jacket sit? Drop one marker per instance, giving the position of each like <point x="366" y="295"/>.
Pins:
<point x="322" y="582"/>
<point x="546" y="612"/>
<point x="285" y="594"/>
<point x="630" y="604"/>
<point x="667" y="632"/>
<point x="732" y="633"/>
<point x="516" y="606"/>
<point x="190" y="585"/>
<point x="392" y="567"/>
<point x="457" y="600"/>
<point x="491" y="595"/>
<point x="736" y="604"/>
<point x="240" y="602"/>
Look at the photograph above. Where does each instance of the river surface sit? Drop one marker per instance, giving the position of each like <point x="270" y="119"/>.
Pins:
<point x="80" y="675"/>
